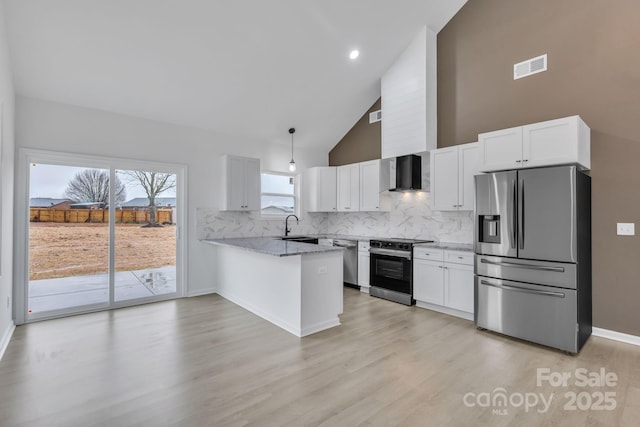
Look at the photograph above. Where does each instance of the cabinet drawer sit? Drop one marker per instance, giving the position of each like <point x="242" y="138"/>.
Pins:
<point x="431" y="254"/>
<point x="459" y="257"/>
<point x="363" y="246"/>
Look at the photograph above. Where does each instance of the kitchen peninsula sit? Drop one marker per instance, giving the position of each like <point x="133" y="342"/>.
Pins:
<point x="296" y="286"/>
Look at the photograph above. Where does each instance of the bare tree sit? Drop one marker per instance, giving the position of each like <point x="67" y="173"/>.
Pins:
<point x="153" y="184"/>
<point x="92" y="185"/>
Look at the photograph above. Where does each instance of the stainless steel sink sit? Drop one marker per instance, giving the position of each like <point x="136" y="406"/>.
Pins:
<point x="301" y="239"/>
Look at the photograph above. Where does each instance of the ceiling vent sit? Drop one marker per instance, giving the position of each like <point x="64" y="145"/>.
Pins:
<point x="376" y="116"/>
<point x="530" y="66"/>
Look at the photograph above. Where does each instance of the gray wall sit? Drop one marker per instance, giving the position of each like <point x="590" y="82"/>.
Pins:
<point x="592" y="48"/>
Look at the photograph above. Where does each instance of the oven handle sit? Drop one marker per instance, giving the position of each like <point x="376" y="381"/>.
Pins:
<point x="528" y="291"/>
<point x="390" y="252"/>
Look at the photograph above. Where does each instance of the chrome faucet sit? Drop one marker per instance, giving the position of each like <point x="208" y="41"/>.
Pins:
<point x="286" y="224"/>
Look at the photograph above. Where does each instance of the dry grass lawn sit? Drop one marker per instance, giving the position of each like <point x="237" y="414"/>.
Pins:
<point x="63" y="250"/>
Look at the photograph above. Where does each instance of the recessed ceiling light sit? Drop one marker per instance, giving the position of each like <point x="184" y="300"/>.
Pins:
<point x="354" y="54"/>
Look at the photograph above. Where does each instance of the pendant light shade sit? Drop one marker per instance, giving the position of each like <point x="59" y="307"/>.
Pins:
<point x="292" y="163"/>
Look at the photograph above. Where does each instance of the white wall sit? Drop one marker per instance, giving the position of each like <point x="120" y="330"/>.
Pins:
<point x="58" y="127"/>
<point x="6" y="185"/>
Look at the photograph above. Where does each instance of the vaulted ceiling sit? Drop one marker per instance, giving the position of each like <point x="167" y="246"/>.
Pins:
<point x="242" y="67"/>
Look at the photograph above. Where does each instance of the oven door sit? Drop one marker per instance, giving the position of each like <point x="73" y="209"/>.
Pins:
<point x="390" y="271"/>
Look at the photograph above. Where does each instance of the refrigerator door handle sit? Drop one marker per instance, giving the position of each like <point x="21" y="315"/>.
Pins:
<point x="528" y="291"/>
<point x="521" y="212"/>
<point x="519" y="265"/>
<point x="512" y="217"/>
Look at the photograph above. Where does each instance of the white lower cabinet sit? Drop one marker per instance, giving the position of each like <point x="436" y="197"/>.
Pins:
<point x="443" y="281"/>
<point x="459" y="287"/>
<point x="428" y="283"/>
<point x="363" y="266"/>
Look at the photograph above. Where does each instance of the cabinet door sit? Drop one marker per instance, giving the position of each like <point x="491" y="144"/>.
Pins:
<point x="236" y="178"/>
<point x="320" y="189"/>
<point x="468" y="155"/>
<point x="349" y="188"/>
<point x="444" y="179"/>
<point x="252" y="185"/>
<point x="500" y="150"/>
<point x="428" y="281"/>
<point x="459" y="287"/>
<point x="363" y="268"/>
<point x="327" y="197"/>
<point x="370" y="186"/>
<point x="550" y="143"/>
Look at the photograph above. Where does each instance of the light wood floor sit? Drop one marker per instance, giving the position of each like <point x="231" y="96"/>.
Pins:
<point x="205" y="361"/>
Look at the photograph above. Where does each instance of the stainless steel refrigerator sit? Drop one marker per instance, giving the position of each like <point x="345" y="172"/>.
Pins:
<point x="533" y="255"/>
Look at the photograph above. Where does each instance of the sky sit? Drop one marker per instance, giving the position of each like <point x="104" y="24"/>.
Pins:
<point x="51" y="181"/>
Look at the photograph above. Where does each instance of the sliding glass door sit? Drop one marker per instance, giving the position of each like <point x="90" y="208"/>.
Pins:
<point x="99" y="234"/>
<point x="68" y="238"/>
<point x="145" y="239"/>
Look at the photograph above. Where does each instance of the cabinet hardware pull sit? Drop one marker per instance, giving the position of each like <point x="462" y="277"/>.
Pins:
<point x="518" y="161"/>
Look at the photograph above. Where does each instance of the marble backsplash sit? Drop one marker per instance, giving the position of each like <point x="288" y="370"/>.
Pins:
<point x="410" y="217"/>
<point x="215" y="224"/>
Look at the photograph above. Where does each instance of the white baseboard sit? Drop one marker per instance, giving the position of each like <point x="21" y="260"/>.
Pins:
<point x="201" y="292"/>
<point x="616" y="336"/>
<point x="6" y="337"/>
<point x="445" y="310"/>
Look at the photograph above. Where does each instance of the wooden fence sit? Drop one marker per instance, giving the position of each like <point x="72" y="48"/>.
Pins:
<point x="138" y="216"/>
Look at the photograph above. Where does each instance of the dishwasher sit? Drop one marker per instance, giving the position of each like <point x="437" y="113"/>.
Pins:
<point x="350" y="257"/>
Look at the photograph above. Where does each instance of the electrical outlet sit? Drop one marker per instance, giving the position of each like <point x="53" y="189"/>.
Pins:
<point x="322" y="270"/>
<point x="626" y="229"/>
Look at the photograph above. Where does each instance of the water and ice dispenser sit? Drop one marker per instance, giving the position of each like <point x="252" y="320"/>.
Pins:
<point x="489" y="228"/>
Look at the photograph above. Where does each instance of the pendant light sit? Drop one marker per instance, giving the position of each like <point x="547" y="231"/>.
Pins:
<point x="292" y="163"/>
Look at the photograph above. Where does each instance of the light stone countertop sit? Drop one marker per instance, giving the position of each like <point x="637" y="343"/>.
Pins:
<point x="272" y="246"/>
<point x="464" y="247"/>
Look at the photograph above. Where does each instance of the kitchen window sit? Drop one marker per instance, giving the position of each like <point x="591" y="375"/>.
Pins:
<point x="279" y="196"/>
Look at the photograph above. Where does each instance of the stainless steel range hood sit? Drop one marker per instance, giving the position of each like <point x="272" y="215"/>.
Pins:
<point x="408" y="173"/>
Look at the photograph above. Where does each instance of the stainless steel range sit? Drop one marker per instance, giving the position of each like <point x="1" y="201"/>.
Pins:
<point x="391" y="269"/>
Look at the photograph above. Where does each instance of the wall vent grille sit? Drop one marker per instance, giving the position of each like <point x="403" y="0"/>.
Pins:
<point x="376" y="116"/>
<point x="530" y="66"/>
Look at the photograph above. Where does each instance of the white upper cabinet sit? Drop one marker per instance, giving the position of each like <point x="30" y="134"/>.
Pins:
<point x="452" y="171"/>
<point x="554" y="142"/>
<point x="241" y="183"/>
<point x="320" y="185"/>
<point x="408" y="92"/>
<point x="349" y="188"/>
<point x="501" y="149"/>
<point x="374" y="179"/>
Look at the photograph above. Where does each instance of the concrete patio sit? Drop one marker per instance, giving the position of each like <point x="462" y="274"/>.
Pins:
<point x="66" y="292"/>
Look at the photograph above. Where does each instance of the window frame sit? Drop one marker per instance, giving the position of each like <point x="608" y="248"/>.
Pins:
<point x="295" y="195"/>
